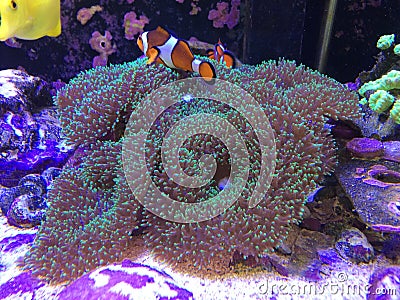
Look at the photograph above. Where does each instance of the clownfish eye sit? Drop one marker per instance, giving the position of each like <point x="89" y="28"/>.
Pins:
<point x="13" y="4"/>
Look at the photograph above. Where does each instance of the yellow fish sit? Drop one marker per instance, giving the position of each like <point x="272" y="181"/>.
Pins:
<point x="29" y="19"/>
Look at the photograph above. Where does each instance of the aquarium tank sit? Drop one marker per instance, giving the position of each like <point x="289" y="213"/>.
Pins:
<point x="192" y="149"/>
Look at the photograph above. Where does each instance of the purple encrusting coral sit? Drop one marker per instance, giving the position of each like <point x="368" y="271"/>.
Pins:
<point x="329" y="257"/>
<point x="23" y="283"/>
<point x="127" y="280"/>
<point x="10" y="243"/>
<point x="33" y="161"/>
<point x="133" y="25"/>
<point x="365" y="147"/>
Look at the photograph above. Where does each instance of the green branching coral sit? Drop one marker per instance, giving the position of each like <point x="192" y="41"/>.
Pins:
<point x="387" y="82"/>
<point x="94" y="109"/>
<point x="381" y="101"/>
<point x="380" y="94"/>
<point x="395" y="112"/>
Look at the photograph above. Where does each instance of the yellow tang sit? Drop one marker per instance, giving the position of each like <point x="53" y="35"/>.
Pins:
<point x="29" y="19"/>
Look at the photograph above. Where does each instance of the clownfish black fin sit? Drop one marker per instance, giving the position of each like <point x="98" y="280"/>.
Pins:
<point x="153" y="54"/>
<point x="207" y="72"/>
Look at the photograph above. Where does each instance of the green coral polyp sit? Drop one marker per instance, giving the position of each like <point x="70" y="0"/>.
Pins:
<point x="380" y="101"/>
<point x="387" y="82"/>
<point x="396" y="49"/>
<point x="395" y="112"/>
<point x="385" y="41"/>
<point x="381" y="98"/>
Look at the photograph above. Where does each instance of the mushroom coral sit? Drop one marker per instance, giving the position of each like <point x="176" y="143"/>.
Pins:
<point x="92" y="210"/>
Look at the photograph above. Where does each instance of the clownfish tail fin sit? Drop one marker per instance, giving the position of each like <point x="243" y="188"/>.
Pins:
<point x="207" y="71"/>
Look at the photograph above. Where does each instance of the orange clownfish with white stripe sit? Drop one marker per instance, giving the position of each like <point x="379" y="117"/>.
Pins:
<point x="162" y="47"/>
<point x="221" y="55"/>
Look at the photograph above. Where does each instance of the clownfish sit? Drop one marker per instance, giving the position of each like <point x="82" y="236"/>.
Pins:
<point x="221" y="55"/>
<point x="162" y="47"/>
<point x="29" y="19"/>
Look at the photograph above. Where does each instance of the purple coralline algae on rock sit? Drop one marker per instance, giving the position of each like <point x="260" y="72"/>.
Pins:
<point x="330" y="257"/>
<point x="368" y="148"/>
<point x="29" y="142"/>
<point x="365" y="147"/>
<point x="354" y="245"/>
<point x="127" y="280"/>
<point x="33" y="161"/>
<point x="17" y="286"/>
<point x="373" y="188"/>
<point x="10" y="243"/>
<point x="24" y="205"/>
<point x="385" y="284"/>
<point x="392" y="150"/>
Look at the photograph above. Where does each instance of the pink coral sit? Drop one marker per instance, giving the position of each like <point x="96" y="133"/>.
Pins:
<point x="85" y="14"/>
<point x="134" y="26"/>
<point x="195" y="8"/>
<point x="102" y="44"/>
<point x="222" y="16"/>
